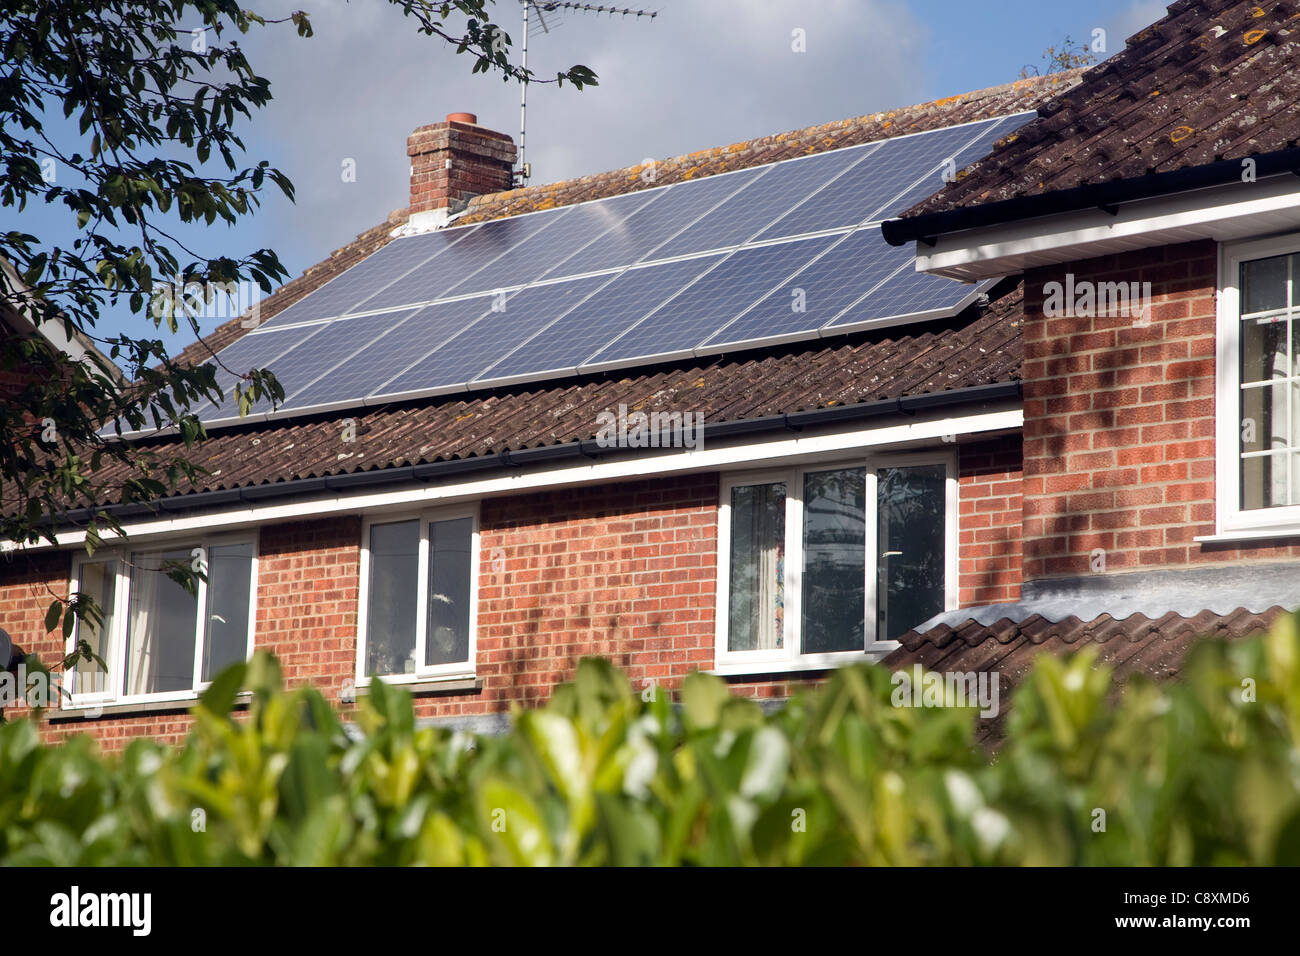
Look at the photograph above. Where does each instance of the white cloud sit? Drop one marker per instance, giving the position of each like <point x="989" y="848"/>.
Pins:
<point x="700" y="75"/>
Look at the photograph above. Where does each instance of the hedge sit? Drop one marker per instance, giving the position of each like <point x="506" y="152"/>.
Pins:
<point x="1205" y="770"/>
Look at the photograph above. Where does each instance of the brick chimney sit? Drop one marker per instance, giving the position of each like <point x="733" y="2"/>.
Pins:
<point x="453" y="161"/>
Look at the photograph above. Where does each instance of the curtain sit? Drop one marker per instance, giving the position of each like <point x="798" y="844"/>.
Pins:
<point x="141" y="634"/>
<point x="756" y="615"/>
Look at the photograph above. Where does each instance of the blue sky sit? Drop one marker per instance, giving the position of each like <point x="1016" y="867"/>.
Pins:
<point x="702" y="74"/>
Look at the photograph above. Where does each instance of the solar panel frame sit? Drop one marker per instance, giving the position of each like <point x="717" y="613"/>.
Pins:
<point x="463" y="305"/>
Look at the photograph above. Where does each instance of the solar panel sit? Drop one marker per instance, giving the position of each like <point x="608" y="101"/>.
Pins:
<point x="508" y="320"/>
<point x="619" y="305"/>
<point x="255" y="350"/>
<point x="865" y="191"/>
<point x="713" y="300"/>
<point x="411" y="339"/>
<point x="742" y="215"/>
<point x="908" y="295"/>
<point x="333" y="346"/>
<point x="852" y="267"/>
<point x="345" y="290"/>
<point x="977" y="149"/>
<point x="544" y="251"/>
<point x="645" y="276"/>
<point x="678" y="207"/>
<point x="441" y="276"/>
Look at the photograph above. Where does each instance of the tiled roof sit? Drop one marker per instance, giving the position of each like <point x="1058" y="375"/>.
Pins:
<point x="1001" y="100"/>
<point x="1136" y="644"/>
<point x="1212" y="80"/>
<point x="979" y="347"/>
<point x="1022" y="95"/>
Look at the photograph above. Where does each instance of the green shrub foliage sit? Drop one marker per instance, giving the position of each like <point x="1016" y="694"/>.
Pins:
<point x="1202" y="771"/>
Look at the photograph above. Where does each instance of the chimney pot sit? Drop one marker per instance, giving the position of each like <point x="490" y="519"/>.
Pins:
<point x="470" y="118"/>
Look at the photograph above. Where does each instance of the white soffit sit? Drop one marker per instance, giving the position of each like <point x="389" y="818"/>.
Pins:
<point x="1224" y="213"/>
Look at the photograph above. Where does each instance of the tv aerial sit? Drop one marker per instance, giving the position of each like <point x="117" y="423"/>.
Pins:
<point x="536" y="14"/>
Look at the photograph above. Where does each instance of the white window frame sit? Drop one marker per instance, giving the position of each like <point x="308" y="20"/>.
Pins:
<point x="438" y="672"/>
<point x="120" y="623"/>
<point x="1230" y="519"/>
<point x="789" y="657"/>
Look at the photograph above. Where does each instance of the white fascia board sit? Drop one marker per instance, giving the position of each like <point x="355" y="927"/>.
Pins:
<point x="1223" y="213"/>
<point x="735" y="454"/>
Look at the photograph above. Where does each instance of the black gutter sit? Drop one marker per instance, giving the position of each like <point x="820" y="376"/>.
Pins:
<point x="1106" y="196"/>
<point x="435" y="470"/>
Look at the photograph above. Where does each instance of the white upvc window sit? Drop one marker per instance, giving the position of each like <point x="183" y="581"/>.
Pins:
<point x="821" y="563"/>
<point x="1258" y="387"/>
<point x="419" y="596"/>
<point x="159" y="641"/>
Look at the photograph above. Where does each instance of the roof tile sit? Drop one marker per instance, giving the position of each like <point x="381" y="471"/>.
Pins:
<point x="1212" y="80"/>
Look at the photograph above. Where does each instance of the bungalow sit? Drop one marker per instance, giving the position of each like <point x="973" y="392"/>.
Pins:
<point x="902" y="454"/>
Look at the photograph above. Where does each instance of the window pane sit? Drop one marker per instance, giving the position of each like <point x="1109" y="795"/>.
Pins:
<point x="1264" y="350"/>
<point x="390" y="608"/>
<point x="99" y="583"/>
<point x="1264" y="481"/>
<point x="1263" y="418"/>
<point x="161" y="626"/>
<point x="755" y="606"/>
<point x="230" y="570"/>
<point x="1264" y="284"/>
<point x="834" y="560"/>
<point x="911" y="504"/>
<point x="449" y="591"/>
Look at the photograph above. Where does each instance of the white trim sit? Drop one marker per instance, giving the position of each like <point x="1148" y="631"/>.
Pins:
<point x="1231" y="521"/>
<point x="1223" y="213"/>
<point x="790" y="656"/>
<point x="723" y="456"/>
<point x="456" y="670"/>
<point x="119" y="624"/>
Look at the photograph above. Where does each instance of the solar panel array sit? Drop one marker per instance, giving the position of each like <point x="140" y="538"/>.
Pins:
<point x="770" y="254"/>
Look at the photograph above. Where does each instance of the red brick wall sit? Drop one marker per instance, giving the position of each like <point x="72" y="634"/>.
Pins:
<point x="625" y="571"/>
<point x="1119" y="435"/>
<point x="990" y="521"/>
<point x="308" y="581"/>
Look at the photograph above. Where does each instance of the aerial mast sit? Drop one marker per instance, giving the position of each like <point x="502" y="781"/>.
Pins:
<point x="541" y="9"/>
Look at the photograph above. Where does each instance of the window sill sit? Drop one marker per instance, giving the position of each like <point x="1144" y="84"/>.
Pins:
<point x="1249" y="534"/>
<point x="761" y="669"/>
<point x="427" y="686"/>
<point x="141" y="708"/>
